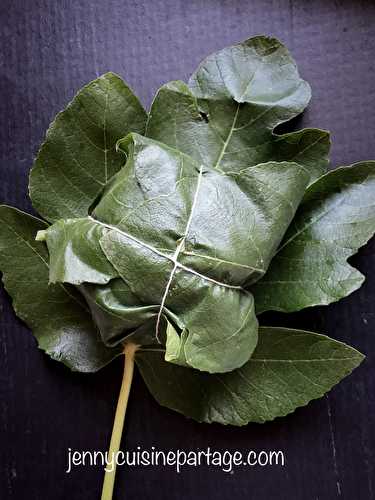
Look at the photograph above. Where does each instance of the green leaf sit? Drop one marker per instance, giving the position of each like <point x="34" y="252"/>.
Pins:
<point x="213" y="314"/>
<point x="288" y="369"/>
<point x="118" y="313"/>
<point x="75" y="253"/>
<point x="78" y="156"/>
<point x="310" y="268"/>
<point x="171" y="235"/>
<point x="121" y="317"/>
<point x="226" y="116"/>
<point x="133" y="248"/>
<point x="235" y="221"/>
<point x="56" y="314"/>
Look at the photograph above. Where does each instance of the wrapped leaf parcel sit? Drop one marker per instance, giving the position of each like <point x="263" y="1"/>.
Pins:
<point x="171" y="231"/>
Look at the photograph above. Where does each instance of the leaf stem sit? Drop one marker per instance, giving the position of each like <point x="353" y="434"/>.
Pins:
<point x="118" y="425"/>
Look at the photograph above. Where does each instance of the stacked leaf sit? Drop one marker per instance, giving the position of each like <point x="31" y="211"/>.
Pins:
<point x="172" y="231"/>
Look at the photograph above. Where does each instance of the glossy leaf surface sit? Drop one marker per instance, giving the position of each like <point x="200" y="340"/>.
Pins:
<point x="226" y="115"/>
<point x="56" y="314"/>
<point x="78" y="156"/>
<point x="288" y="369"/>
<point x="310" y="268"/>
<point x="167" y="227"/>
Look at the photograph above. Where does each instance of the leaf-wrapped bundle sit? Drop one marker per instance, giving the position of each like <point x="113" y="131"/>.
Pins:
<point x="160" y="223"/>
<point x="210" y="218"/>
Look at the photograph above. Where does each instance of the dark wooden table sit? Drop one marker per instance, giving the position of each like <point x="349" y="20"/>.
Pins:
<point x="48" y="49"/>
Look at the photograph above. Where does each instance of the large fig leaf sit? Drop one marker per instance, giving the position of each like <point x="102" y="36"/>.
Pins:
<point x="186" y="238"/>
<point x="336" y="217"/>
<point x="56" y="313"/>
<point x="288" y="369"/>
<point x="78" y="156"/>
<point x="226" y="115"/>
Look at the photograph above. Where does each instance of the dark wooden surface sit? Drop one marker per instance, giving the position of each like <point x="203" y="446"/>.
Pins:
<point x="48" y="49"/>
